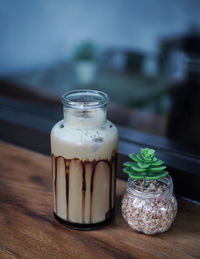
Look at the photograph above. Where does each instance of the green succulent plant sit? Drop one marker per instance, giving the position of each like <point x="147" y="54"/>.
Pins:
<point x="145" y="166"/>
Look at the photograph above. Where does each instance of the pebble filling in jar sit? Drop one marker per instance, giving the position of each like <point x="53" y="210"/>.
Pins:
<point x="152" y="211"/>
<point x="84" y="150"/>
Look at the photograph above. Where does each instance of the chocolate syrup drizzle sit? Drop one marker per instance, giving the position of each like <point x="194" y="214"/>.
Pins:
<point x="55" y="183"/>
<point x="83" y="164"/>
<point x="83" y="192"/>
<point x="67" y="188"/>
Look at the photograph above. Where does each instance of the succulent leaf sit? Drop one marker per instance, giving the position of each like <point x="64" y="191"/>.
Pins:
<point x="136" y="176"/>
<point x="150" y="160"/>
<point x="142" y="165"/>
<point x="129" y="164"/>
<point x="157" y="176"/>
<point x="157" y="163"/>
<point x="140" y="158"/>
<point x="154" y="159"/>
<point x="156" y="169"/>
<point x="134" y="157"/>
<point x="128" y="170"/>
<point x="138" y="169"/>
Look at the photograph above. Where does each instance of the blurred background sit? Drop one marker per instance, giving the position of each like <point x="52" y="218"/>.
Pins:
<point x="144" y="54"/>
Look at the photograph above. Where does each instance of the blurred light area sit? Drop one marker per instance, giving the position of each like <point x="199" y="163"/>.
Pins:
<point x="41" y="33"/>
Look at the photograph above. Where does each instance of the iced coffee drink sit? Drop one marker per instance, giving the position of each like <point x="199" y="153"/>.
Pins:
<point x="84" y="151"/>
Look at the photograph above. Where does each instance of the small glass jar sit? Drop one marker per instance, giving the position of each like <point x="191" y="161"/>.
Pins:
<point x="149" y="212"/>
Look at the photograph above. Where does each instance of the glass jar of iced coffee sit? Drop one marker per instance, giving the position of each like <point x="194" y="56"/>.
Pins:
<point x="84" y="151"/>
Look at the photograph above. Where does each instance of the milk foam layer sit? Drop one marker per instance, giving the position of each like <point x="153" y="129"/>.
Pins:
<point x="85" y="144"/>
<point x="79" y="119"/>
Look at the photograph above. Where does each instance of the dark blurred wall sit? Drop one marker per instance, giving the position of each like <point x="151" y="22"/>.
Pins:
<point x="36" y="33"/>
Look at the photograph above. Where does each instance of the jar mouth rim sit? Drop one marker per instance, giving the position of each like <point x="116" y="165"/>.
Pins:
<point x="168" y="183"/>
<point x="84" y="99"/>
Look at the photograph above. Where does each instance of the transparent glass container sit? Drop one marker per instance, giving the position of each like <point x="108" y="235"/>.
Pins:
<point x="84" y="152"/>
<point x="149" y="212"/>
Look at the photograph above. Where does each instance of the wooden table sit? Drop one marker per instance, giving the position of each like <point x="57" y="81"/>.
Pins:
<point x="29" y="230"/>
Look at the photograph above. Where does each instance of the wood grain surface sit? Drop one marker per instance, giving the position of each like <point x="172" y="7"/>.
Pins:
<point x="29" y="230"/>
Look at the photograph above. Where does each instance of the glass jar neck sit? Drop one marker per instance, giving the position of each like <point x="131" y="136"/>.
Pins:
<point x="131" y="188"/>
<point x="84" y="118"/>
<point x="85" y="109"/>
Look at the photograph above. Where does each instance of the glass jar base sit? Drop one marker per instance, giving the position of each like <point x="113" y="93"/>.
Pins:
<point x="79" y="226"/>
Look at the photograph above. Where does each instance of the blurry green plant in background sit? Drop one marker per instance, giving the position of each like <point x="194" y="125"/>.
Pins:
<point x="85" y="50"/>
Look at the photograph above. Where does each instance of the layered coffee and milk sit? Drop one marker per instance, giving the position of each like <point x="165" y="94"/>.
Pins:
<point x="84" y="150"/>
